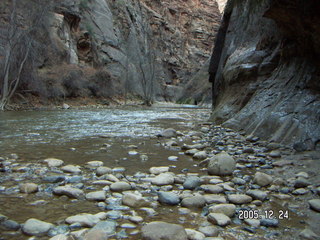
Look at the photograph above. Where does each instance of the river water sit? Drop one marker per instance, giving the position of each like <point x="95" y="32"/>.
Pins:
<point x="79" y="136"/>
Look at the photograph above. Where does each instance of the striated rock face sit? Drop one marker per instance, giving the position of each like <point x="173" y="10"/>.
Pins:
<point x="265" y="70"/>
<point x="107" y="48"/>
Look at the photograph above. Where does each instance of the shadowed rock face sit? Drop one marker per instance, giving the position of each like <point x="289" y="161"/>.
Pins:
<point x="265" y="72"/>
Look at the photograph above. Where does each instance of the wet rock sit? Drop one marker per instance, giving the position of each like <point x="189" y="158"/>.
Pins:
<point x="238" y="181"/>
<point x="209" y="231"/>
<point x="28" y="188"/>
<point x="248" y="150"/>
<point x="107" y="227"/>
<point x="133" y="153"/>
<point x="219" y="219"/>
<point x="227" y="209"/>
<point x="96" y="196"/>
<point x="308" y="234"/>
<point x="35" y="227"/>
<point x="239" y="198"/>
<point x="9" y="225"/>
<point x="191" y="182"/>
<point x="169" y="198"/>
<point x="302" y="175"/>
<point x="53" y="179"/>
<point x="173" y="158"/>
<point x="84" y="219"/>
<point x="215" y="189"/>
<point x="3" y="218"/>
<point x="168" y="133"/>
<point x="200" y="155"/>
<point x="74" y="179"/>
<point x="95" y="163"/>
<point x="54" y="162"/>
<point x="275" y="154"/>
<point x="71" y="169"/>
<point x="158" y="170"/>
<point x="262" y="179"/>
<point x="110" y="177"/>
<point x="134" y="200"/>
<point x="95" y="234"/>
<point x="193" y="202"/>
<point x="184" y="211"/>
<point x="163" y="179"/>
<point x="60" y="237"/>
<point x="214" y="198"/>
<point x="300" y="191"/>
<point x="135" y="219"/>
<point x="194" y="235"/>
<point x="301" y="183"/>
<point x="191" y="152"/>
<point x="221" y="164"/>
<point x="252" y="222"/>
<point x="68" y="191"/>
<point x="103" y="170"/>
<point x="257" y="194"/>
<point x="128" y="226"/>
<point x="149" y="211"/>
<point x="314" y="204"/>
<point x="120" y="186"/>
<point x="58" y="230"/>
<point x="269" y="222"/>
<point x="163" y="231"/>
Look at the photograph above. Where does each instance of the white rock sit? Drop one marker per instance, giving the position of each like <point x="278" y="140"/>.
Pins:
<point x="68" y="191"/>
<point x="194" y="235"/>
<point x="158" y="170"/>
<point x="54" y="162"/>
<point x="84" y="219"/>
<point x="95" y="163"/>
<point x="71" y="169"/>
<point x="163" y="179"/>
<point x="96" y="196"/>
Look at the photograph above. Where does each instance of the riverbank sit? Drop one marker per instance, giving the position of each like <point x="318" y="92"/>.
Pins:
<point x="94" y="199"/>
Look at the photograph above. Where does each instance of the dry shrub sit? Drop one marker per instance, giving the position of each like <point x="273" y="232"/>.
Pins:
<point x="101" y="84"/>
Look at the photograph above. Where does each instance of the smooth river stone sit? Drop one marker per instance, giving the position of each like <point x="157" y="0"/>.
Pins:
<point x="163" y="231"/>
<point x="54" y="162"/>
<point x="35" y="227"/>
<point x="68" y="191"/>
<point x="120" y="186"/>
<point x="239" y="198"/>
<point x="163" y="179"/>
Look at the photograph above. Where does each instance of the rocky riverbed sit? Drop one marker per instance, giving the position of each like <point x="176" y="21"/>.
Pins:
<point x="237" y="187"/>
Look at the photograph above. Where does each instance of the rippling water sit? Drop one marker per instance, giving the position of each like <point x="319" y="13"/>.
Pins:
<point x="36" y="135"/>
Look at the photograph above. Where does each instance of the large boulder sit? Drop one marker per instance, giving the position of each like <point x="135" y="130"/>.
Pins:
<point x="221" y="164"/>
<point x="163" y="231"/>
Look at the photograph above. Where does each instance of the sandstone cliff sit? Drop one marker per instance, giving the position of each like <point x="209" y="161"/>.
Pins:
<point x="265" y="70"/>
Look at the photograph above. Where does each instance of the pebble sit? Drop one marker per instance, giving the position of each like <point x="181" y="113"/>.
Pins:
<point x="257" y="194"/>
<point x="214" y="189"/>
<point x="163" y="231"/>
<point x="239" y="198"/>
<point x="101" y="170"/>
<point x="301" y="183"/>
<point x="71" y="169"/>
<point x="10" y="225"/>
<point x="308" y="234"/>
<point x="193" y="202"/>
<point x="275" y="154"/>
<point x="173" y="158"/>
<point x="191" y="182"/>
<point x="227" y="209"/>
<point x="252" y="222"/>
<point x="158" y="170"/>
<point x="201" y="155"/>
<point x="209" y="231"/>
<point x="262" y="179"/>
<point x="28" y="188"/>
<point x="84" y="219"/>
<point x="120" y="186"/>
<point x="300" y="191"/>
<point x="194" y="235"/>
<point x="54" y="162"/>
<point x="314" y="204"/>
<point x="269" y="222"/>
<point x="163" y="179"/>
<point x="219" y="219"/>
<point x="35" y="227"/>
<point x="169" y="198"/>
<point x="96" y="196"/>
<point x="134" y="200"/>
<point x="68" y="191"/>
<point x="135" y="219"/>
<point x="221" y="164"/>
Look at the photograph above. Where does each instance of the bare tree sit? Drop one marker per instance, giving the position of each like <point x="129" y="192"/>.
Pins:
<point x="18" y="43"/>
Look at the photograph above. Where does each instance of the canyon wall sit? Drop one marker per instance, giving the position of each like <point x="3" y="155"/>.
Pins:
<point x="108" y="48"/>
<point x="265" y="70"/>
